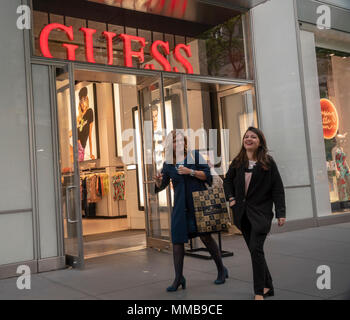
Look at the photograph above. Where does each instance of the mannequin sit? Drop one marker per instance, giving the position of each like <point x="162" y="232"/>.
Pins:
<point x="342" y="168"/>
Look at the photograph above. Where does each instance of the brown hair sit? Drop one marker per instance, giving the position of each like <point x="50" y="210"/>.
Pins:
<point x="169" y="146"/>
<point x="261" y="154"/>
<point x="81" y="104"/>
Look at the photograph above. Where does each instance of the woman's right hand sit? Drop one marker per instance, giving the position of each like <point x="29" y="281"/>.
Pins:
<point x="158" y="179"/>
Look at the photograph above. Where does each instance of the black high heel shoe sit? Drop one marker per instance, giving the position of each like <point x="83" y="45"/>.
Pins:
<point x="219" y="281"/>
<point x="269" y="293"/>
<point x="182" y="283"/>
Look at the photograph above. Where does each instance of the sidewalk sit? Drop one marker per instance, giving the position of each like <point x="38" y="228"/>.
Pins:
<point x="293" y="259"/>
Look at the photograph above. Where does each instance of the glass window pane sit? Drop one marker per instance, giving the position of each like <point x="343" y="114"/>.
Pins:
<point x="334" y="77"/>
<point x="45" y="163"/>
<point x="219" y="115"/>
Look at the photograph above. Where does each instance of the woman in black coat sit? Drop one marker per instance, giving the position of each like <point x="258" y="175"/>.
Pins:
<point x="252" y="185"/>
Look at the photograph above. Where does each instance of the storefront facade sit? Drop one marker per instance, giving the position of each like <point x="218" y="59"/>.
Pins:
<point x="170" y="66"/>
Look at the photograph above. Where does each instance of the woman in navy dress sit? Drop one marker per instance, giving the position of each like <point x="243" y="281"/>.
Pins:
<point x="188" y="172"/>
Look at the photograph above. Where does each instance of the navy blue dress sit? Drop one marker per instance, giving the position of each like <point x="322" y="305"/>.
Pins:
<point x="183" y="222"/>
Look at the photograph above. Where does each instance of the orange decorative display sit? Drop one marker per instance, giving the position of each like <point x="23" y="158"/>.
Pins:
<point x="330" y="119"/>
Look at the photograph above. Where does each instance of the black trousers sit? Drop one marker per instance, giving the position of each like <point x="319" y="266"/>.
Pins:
<point x="255" y="242"/>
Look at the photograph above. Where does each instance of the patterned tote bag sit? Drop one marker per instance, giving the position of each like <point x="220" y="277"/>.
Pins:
<point x="211" y="210"/>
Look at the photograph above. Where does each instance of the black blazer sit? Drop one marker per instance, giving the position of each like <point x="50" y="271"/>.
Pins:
<point x="265" y="189"/>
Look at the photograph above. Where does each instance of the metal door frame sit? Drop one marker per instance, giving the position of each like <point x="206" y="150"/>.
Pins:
<point x="77" y="262"/>
<point x="151" y="241"/>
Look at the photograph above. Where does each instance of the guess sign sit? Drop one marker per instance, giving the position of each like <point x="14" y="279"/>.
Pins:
<point x="180" y="53"/>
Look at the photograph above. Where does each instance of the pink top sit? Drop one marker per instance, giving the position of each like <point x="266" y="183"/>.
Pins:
<point x="248" y="175"/>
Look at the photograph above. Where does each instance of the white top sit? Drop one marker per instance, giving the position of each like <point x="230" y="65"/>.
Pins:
<point x="251" y="164"/>
<point x="248" y="175"/>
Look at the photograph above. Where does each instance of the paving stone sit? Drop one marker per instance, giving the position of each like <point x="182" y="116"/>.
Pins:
<point x="293" y="259"/>
<point x="41" y="289"/>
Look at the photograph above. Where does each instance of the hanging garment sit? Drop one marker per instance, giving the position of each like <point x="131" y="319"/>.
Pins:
<point x="104" y="184"/>
<point x="342" y="167"/>
<point x="92" y="187"/>
<point x="118" y="182"/>
<point x="98" y="187"/>
<point x="84" y="199"/>
<point x="91" y="210"/>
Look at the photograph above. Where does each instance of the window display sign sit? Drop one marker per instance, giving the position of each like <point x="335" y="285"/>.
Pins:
<point x="330" y="119"/>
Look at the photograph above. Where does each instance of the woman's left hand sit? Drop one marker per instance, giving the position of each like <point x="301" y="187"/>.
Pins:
<point x="281" y="222"/>
<point x="184" y="170"/>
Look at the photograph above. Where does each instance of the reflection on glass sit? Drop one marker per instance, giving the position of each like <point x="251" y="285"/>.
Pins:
<point x="176" y="9"/>
<point x="238" y="115"/>
<point x="224" y="45"/>
<point x="334" y="79"/>
<point x="219" y="115"/>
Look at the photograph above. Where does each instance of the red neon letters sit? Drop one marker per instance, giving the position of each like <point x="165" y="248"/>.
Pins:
<point x="158" y="56"/>
<point x="109" y="37"/>
<point x="129" y="54"/>
<point x="44" y="40"/>
<point x="179" y="58"/>
<point x="89" y="44"/>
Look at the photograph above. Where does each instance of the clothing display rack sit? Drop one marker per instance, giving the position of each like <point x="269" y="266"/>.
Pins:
<point x="117" y="173"/>
<point x="114" y="171"/>
<point x="93" y="169"/>
<point x="89" y="207"/>
<point x="194" y="252"/>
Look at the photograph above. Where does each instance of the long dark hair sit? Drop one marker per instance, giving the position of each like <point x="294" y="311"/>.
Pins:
<point x="261" y="154"/>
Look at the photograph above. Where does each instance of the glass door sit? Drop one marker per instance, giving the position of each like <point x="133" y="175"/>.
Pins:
<point x="157" y="206"/>
<point x="162" y="109"/>
<point x="68" y="164"/>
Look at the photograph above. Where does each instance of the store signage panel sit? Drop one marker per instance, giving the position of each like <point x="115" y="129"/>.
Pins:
<point x="330" y="120"/>
<point x="181" y="52"/>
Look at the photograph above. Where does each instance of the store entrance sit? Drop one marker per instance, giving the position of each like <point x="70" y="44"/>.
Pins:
<point x="110" y="132"/>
